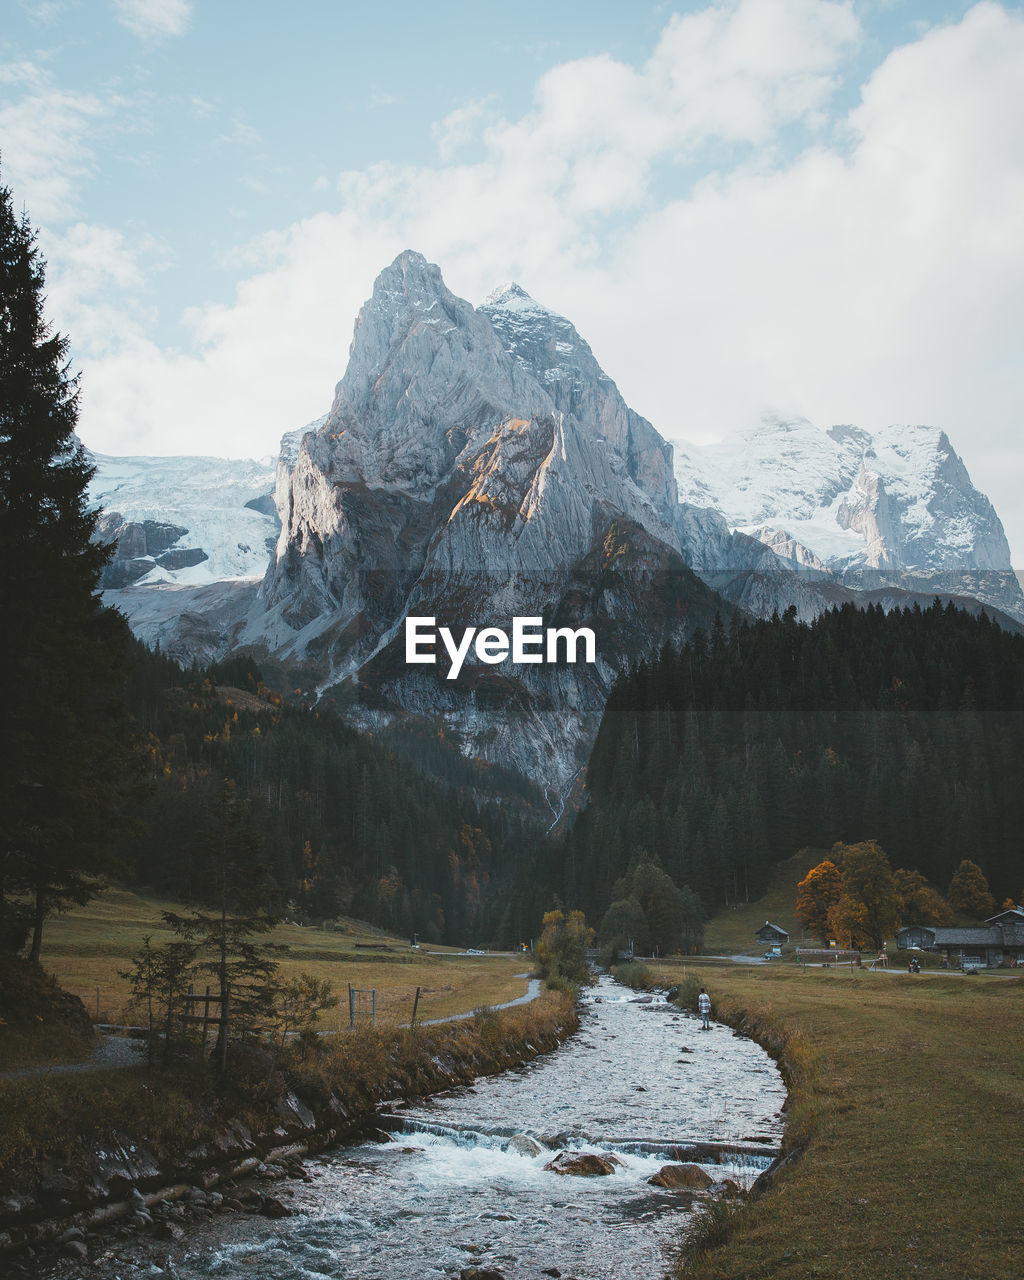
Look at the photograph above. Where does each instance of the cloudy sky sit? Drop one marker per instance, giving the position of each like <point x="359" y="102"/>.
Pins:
<point x="804" y="207"/>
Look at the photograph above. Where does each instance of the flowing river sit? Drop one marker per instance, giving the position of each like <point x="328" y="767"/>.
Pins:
<point x="462" y="1185"/>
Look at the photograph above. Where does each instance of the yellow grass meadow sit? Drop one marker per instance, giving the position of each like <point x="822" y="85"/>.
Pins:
<point x="86" y="948"/>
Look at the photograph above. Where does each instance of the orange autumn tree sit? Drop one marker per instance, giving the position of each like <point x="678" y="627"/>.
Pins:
<point x="868" y="883"/>
<point x="851" y="896"/>
<point x="816" y="895"/>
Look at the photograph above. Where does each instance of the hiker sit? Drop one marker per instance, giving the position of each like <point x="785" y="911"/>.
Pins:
<point x="704" y="1008"/>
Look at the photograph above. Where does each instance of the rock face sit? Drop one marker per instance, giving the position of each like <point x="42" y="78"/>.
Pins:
<point x="548" y="347"/>
<point x="475" y="466"/>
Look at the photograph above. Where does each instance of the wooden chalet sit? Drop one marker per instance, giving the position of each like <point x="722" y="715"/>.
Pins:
<point x="1000" y="941"/>
<point x="771" y="935"/>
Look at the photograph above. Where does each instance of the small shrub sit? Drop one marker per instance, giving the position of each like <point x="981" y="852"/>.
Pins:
<point x="556" y="982"/>
<point x="635" y="975"/>
<point x="686" y="995"/>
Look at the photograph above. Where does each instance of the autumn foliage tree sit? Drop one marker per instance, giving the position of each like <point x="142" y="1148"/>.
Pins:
<point x="851" y="897"/>
<point x="562" y="949"/>
<point x="920" y="902"/>
<point x="969" y="892"/>
<point x="870" y="888"/>
<point x="816" y="895"/>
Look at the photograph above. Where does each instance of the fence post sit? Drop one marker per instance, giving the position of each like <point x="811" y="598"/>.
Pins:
<point x="206" y="1020"/>
<point x="224" y="1031"/>
<point x="415" y="1006"/>
<point x="351" y="1008"/>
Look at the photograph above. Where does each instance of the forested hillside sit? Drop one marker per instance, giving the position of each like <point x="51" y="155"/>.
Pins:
<point x="337" y="822"/>
<point x="906" y="728"/>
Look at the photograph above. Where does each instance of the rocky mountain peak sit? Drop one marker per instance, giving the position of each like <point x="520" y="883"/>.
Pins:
<point x="548" y="347"/>
<point x="513" y="297"/>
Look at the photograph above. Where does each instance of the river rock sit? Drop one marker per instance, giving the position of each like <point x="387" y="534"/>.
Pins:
<point x="582" y="1164"/>
<point x="271" y="1207"/>
<point x="75" y="1249"/>
<point x="690" y="1177"/>
<point x="523" y="1145"/>
<point x="481" y="1273"/>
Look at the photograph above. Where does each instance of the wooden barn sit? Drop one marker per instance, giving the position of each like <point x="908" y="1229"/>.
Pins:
<point x="771" y="935"/>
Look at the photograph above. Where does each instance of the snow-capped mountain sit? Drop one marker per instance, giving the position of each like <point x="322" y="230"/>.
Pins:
<point x="896" y="508"/>
<point x="476" y="465"/>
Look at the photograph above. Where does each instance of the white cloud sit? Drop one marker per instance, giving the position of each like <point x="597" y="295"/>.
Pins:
<point x="873" y="276"/>
<point x="93" y="281"/>
<point x="154" y="19"/>
<point x="44" y="134"/>
<point x="46" y="12"/>
<point x="459" y="128"/>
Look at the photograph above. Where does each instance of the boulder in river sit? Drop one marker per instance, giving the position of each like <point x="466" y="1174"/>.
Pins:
<point x="678" y="1177"/>
<point x="523" y="1145"/>
<point x="583" y="1164"/>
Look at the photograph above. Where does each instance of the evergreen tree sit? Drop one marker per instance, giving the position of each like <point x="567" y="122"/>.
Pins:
<point x="61" y="755"/>
<point x="241" y="895"/>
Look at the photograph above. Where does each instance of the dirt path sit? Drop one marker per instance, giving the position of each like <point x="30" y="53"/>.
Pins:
<point x="111" y="1051"/>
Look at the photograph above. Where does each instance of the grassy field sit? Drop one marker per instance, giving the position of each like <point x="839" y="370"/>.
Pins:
<point x="732" y="930"/>
<point x="86" y="948"/>
<point x="906" y="1097"/>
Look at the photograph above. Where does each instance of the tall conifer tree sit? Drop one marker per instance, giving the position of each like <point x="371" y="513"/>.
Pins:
<point x="59" y="648"/>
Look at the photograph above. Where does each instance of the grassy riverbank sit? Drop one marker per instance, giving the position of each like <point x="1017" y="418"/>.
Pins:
<point x="56" y="1121"/>
<point x="906" y="1096"/>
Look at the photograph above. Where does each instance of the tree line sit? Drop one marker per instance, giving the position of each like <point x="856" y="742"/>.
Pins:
<point x="340" y="824"/>
<point x="748" y="744"/>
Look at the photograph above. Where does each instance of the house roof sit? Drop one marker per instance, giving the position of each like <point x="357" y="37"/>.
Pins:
<point x="1012" y="915"/>
<point x="967" y="937"/>
<point x="777" y="927"/>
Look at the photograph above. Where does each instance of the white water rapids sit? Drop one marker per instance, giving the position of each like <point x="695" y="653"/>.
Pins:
<point x="639" y="1080"/>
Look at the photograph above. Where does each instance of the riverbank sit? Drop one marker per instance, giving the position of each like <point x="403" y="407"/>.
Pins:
<point x="904" y="1094"/>
<point x="83" y="1151"/>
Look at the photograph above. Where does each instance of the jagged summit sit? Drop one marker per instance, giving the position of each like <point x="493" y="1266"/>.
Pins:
<point x="511" y="296"/>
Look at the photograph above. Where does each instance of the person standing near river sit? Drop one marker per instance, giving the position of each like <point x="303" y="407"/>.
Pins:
<point x="704" y="1009"/>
